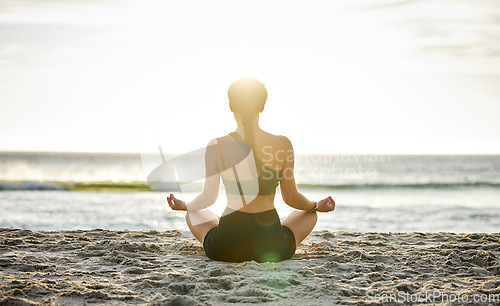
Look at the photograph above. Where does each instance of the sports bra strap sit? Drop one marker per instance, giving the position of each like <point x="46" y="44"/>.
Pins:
<point x="221" y="156"/>
<point x="234" y="172"/>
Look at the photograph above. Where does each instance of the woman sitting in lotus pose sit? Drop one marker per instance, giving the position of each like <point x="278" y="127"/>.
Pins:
<point x="251" y="163"/>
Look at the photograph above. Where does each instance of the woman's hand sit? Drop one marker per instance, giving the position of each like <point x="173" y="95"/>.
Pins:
<point x="176" y="204"/>
<point x="326" y="205"/>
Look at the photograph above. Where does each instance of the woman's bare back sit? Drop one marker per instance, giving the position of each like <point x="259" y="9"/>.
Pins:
<point x="271" y="150"/>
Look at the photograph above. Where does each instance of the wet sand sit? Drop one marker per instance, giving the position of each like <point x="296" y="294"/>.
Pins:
<point x="152" y="267"/>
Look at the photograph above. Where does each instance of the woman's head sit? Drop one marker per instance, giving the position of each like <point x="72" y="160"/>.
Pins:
<point x="247" y="96"/>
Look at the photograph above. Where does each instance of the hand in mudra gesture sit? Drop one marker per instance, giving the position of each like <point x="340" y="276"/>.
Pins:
<point x="175" y="203"/>
<point x="326" y="205"/>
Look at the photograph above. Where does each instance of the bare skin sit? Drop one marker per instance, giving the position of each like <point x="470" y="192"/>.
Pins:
<point x="277" y="153"/>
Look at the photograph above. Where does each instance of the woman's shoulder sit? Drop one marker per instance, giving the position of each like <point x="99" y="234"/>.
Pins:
<point x="277" y="137"/>
<point x="280" y="140"/>
<point x="220" y="138"/>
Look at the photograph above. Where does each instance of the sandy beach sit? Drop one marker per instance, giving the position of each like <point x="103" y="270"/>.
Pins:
<point x="169" y="267"/>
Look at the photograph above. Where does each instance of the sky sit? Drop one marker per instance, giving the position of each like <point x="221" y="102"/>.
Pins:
<point x="357" y="76"/>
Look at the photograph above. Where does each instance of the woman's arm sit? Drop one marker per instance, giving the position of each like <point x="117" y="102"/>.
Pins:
<point x="210" y="188"/>
<point x="291" y="196"/>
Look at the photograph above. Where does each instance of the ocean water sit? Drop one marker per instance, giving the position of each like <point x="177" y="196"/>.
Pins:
<point x="374" y="193"/>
